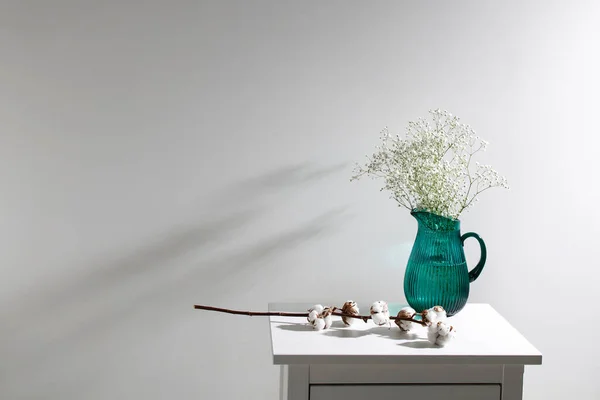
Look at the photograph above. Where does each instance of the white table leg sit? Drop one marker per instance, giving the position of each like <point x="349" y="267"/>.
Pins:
<point x="512" y="382"/>
<point x="293" y="382"/>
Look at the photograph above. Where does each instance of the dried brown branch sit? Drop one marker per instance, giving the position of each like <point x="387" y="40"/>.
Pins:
<point x="251" y="313"/>
<point x="336" y="312"/>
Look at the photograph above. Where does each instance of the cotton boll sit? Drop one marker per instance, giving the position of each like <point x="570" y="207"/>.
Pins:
<point x="380" y="313"/>
<point x="320" y="317"/>
<point x="405" y="326"/>
<point x="313" y="312"/>
<point x="378" y="306"/>
<point x="432" y="334"/>
<point x="425" y="317"/>
<point x="440" y="313"/>
<point x="312" y="316"/>
<point x="351" y="308"/>
<point x="446" y="335"/>
<point x="317" y="307"/>
<point x="326" y="315"/>
<point x="440" y="334"/>
<point x="443" y="329"/>
<point x="406" y="312"/>
<point x="380" y="319"/>
<point x="319" y="324"/>
<point x="444" y="340"/>
<point x="434" y="315"/>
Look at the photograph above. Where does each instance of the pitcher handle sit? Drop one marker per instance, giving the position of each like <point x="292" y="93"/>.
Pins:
<point x="474" y="273"/>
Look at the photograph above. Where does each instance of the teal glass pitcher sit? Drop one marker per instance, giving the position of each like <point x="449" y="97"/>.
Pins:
<point x="437" y="273"/>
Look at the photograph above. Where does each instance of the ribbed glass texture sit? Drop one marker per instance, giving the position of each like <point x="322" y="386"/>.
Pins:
<point x="437" y="272"/>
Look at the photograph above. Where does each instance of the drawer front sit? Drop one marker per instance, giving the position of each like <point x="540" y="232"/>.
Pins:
<point x="400" y="392"/>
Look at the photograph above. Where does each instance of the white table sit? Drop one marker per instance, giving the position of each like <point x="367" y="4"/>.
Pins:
<point x="485" y="362"/>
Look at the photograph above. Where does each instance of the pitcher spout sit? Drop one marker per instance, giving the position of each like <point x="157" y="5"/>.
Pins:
<point x="435" y="222"/>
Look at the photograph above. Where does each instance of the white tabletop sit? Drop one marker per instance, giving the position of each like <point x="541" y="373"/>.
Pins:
<point x="483" y="337"/>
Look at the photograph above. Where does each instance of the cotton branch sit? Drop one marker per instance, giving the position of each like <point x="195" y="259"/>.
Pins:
<point x="335" y="311"/>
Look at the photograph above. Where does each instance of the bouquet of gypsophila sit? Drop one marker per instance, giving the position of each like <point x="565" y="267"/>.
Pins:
<point x="432" y="170"/>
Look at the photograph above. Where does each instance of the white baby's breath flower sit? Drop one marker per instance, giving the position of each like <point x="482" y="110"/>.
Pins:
<point x="380" y="313"/>
<point x="431" y="169"/>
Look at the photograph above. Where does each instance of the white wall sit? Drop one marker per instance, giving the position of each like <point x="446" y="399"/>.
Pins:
<point x="154" y="155"/>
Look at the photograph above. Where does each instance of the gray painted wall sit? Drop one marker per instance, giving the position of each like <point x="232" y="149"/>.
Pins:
<point x="154" y="155"/>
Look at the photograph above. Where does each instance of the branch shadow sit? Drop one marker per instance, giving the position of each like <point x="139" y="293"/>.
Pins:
<point x="418" y="344"/>
<point x="174" y="244"/>
<point x="339" y="324"/>
<point x="288" y="176"/>
<point x="393" y="333"/>
<point x="296" y="327"/>
<point x="180" y="241"/>
<point x="218" y="273"/>
<point x="337" y="329"/>
<point x="346" y="333"/>
<point x="111" y="282"/>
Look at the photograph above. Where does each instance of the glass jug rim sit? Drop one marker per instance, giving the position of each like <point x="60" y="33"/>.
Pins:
<point x="445" y="223"/>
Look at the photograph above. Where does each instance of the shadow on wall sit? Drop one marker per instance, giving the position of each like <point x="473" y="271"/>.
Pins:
<point x="178" y="243"/>
<point x="213" y="278"/>
<point x="98" y="300"/>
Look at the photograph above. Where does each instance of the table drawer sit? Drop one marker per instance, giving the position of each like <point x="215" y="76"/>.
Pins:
<point x="399" y="392"/>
